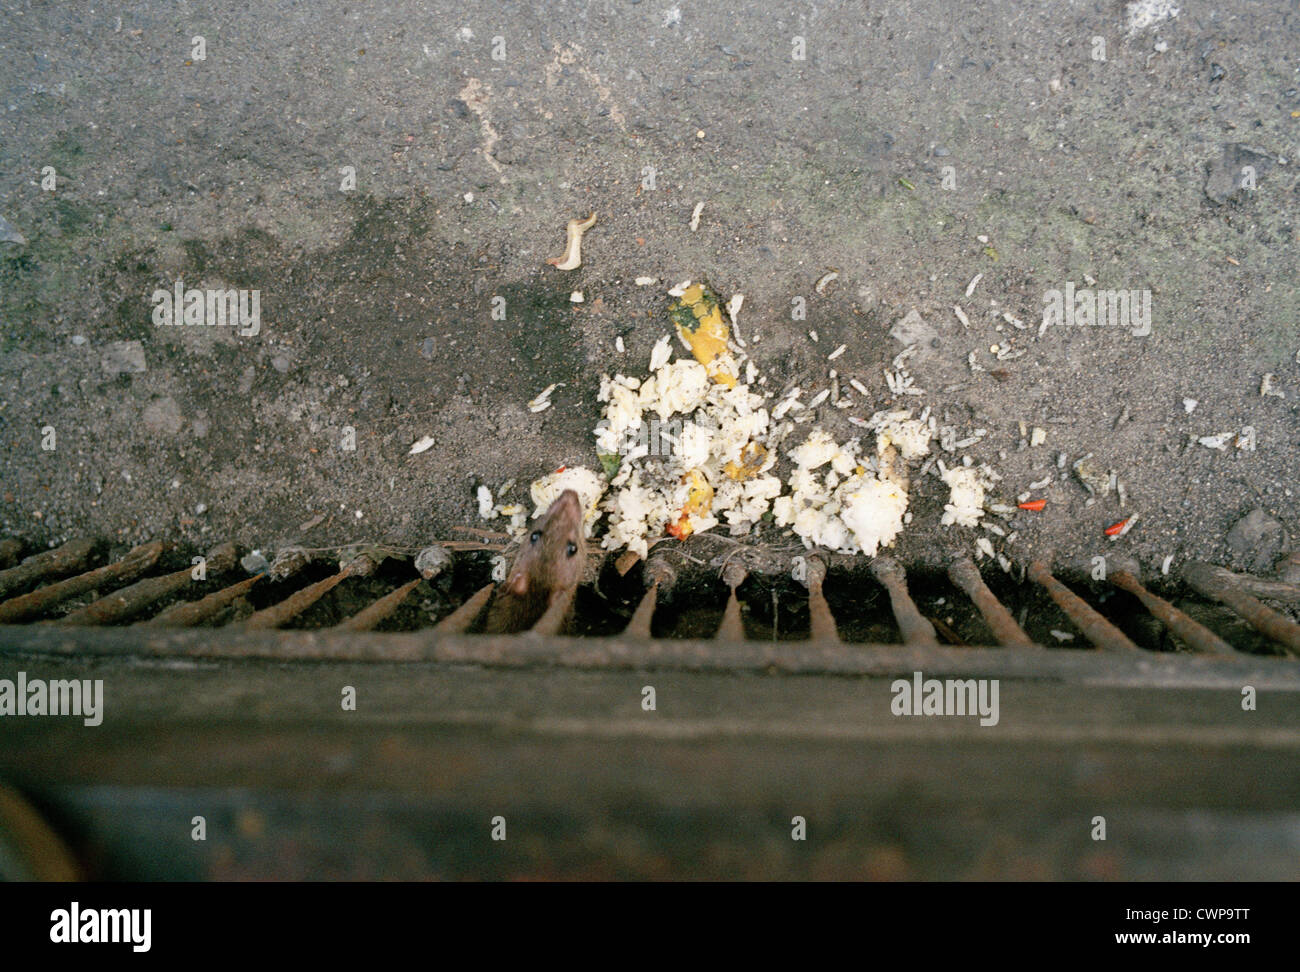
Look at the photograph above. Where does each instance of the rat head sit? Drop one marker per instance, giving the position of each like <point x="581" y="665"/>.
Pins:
<point x="554" y="553"/>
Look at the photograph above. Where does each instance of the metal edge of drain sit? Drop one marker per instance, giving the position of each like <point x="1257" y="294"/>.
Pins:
<point x="1078" y="666"/>
<point x="729" y="648"/>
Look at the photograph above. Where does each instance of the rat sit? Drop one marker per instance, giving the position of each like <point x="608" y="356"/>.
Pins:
<point x="551" y="562"/>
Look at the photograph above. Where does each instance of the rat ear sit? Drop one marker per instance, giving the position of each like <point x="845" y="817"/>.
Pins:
<point x="518" y="584"/>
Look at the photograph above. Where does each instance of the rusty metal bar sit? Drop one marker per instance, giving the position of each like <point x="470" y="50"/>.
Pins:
<point x="1095" y="628"/>
<point x="299" y="601"/>
<point x="661" y="575"/>
<point x="1263" y="619"/>
<point x="1120" y="669"/>
<point x="72" y="556"/>
<point x="1197" y="636"/>
<point x="131" y="600"/>
<point x="732" y="628"/>
<point x="1258" y="586"/>
<point x="821" y="622"/>
<point x="187" y="614"/>
<point x="135" y="563"/>
<point x="9" y="551"/>
<point x="433" y="560"/>
<point x="467" y="613"/>
<point x="912" y="624"/>
<point x="557" y="612"/>
<point x="963" y="572"/>
<point x="288" y="562"/>
<point x="368" y="618"/>
<point x="639" y="626"/>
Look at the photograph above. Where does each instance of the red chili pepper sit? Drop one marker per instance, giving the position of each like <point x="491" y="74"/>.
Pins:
<point x="560" y="470"/>
<point x="1034" y="505"/>
<point x="1115" y="528"/>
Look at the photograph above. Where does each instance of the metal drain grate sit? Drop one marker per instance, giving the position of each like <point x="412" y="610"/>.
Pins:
<point x="144" y="603"/>
<point x="774" y="698"/>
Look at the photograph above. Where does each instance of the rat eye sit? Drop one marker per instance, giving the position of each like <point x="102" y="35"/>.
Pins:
<point x="571" y="549"/>
<point x="537" y="535"/>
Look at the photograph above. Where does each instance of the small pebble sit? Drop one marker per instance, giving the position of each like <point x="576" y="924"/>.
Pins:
<point x="254" y="562"/>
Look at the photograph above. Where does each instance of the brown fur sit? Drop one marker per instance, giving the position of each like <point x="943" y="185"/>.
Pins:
<point x="543" y="568"/>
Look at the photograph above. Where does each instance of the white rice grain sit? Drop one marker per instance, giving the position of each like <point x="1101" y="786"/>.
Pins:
<point x="662" y="352"/>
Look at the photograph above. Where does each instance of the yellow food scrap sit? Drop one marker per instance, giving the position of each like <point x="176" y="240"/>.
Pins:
<point x="699" y="500"/>
<point x="698" y="317"/>
<point x="752" y="458"/>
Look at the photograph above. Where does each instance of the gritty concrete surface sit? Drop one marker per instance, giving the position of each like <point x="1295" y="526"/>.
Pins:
<point x="376" y="302"/>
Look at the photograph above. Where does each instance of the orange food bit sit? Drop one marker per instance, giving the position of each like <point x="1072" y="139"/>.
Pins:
<point x="1115" y="528"/>
<point x="1034" y="505"/>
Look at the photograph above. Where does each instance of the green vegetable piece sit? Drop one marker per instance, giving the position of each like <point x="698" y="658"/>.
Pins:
<point x="609" y="462"/>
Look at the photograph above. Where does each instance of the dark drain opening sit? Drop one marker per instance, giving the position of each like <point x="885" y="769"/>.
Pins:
<point x="675" y="595"/>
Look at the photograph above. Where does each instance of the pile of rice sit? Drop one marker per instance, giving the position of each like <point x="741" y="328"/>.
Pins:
<point x="965" y="505"/>
<point x="716" y="465"/>
<point x="722" y="442"/>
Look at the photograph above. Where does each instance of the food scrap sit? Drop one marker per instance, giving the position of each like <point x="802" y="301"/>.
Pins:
<point x="698" y="317"/>
<point x="695" y="444"/>
<point x="825" y="281"/>
<point x="572" y="258"/>
<point x="699" y="500"/>
<point x="1122" y="527"/>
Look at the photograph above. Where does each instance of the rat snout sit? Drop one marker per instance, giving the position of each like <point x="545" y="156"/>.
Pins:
<point x="568" y="506"/>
